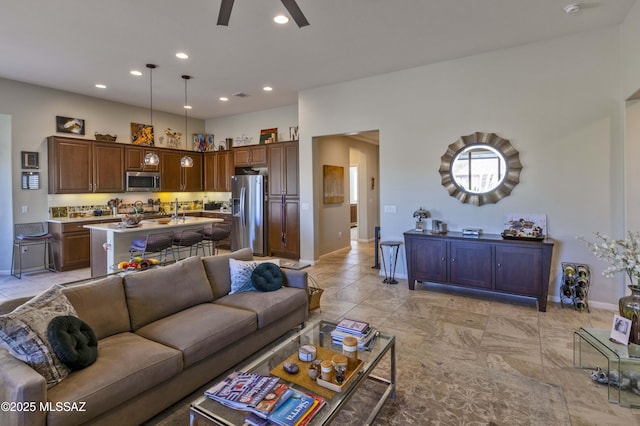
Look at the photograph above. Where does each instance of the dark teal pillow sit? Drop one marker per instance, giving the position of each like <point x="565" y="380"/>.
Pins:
<point x="267" y="277"/>
<point x="73" y="341"/>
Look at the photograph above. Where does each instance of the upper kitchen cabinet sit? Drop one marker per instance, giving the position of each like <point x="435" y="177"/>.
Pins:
<point x="80" y="166"/>
<point x="134" y="158"/>
<point x="218" y="169"/>
<point x="174" y="177"/>
<point x="283" y="169"/>
<point x="250" y="156"/>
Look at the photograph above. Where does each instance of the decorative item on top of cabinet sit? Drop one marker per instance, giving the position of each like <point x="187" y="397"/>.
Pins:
<point x="70" y="125"/>
<point x="105" y="137"/>
<point x="268" y="136"/>
<point x="142" y="134"/>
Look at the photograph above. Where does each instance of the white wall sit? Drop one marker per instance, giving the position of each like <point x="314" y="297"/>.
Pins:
<point x="631" y="51"/>
<point x="33" y="110"/>
<point x="250" y="124"/>
<point x="557" y="101"/>
<point x="6" y="209"/>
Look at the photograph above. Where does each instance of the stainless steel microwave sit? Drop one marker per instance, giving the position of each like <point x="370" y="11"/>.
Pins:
<point x="143" y="181"/>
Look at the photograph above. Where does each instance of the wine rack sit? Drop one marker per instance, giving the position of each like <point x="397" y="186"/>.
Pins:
<point x="574" y="291"/>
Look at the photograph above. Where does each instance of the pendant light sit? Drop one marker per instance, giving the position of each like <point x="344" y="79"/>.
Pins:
<point x="186" y="161"/>
<point x="151" y="159"/>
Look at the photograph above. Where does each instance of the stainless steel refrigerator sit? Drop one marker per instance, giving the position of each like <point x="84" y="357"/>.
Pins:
<point x="249" y="210"/>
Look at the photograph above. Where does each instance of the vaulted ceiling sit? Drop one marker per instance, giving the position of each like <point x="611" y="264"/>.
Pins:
<point x="73" y="44"/>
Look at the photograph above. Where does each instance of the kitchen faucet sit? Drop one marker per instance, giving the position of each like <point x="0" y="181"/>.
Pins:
<point x="175" y="209"/>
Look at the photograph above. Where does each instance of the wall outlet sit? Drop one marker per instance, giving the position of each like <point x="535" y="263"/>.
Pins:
<point x="25" y="209"/>
<point x="339" y="234"/>
<point x="391" y="209"/>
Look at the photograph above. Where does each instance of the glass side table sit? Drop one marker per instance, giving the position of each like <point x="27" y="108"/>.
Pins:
<point x="592" y="348"/>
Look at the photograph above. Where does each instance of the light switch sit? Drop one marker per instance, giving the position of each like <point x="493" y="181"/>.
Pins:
<point x="304" y="206"/>
<point x="25" y="209"/>
<point x="391" y="209"/>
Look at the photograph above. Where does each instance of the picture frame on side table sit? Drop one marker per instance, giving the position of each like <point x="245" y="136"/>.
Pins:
<point x="620" y="330"/>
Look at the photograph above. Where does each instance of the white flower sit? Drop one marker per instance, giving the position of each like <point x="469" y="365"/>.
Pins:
<point x="622" y="255"/>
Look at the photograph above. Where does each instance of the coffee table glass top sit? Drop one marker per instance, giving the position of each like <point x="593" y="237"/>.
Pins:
<point x="318" y="334"/>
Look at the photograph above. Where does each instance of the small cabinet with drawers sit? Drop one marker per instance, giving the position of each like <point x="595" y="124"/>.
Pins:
<point x="72" y="243"/>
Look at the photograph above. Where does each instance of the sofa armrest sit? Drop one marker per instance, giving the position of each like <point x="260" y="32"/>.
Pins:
<point x="297" y="279"/>
<point x="21" y="383"/>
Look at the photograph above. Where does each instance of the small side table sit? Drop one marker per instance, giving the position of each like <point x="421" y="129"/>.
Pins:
<point x="592" y="348"/>
<point x="393" y="247"/>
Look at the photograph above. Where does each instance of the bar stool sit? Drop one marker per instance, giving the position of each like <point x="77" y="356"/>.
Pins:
<point x="188" y="238"/>
<point x="393" y="247"/>
<point x="153" y="243"/>
<point x="213" y="235"/>
<point x="29" y="235"/>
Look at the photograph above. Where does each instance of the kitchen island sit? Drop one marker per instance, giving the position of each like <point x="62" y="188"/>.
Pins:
<point x="110" y="241"/>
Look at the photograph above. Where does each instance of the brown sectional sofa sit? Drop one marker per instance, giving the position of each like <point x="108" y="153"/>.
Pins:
<point x="162" y="334"/>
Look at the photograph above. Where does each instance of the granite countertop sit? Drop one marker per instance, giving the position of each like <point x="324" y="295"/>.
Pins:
<point x="119" y="216"/>
<point x="152" y="224"/>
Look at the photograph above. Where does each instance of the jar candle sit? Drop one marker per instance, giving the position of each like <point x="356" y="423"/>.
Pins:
<point x="339" y="361"/>
<point x="350" y="348"/>
<point x="326" y="370"/>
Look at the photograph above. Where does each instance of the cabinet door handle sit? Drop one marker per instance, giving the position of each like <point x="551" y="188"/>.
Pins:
<point x="499" y="265"/>
<point x="443" y="259"/>
<point x="453" y="259"/>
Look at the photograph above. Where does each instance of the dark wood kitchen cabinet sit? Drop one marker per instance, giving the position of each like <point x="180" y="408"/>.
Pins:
<point x="79" y="166"/>
<point x="71" y="243"/>
<point x="284" y="201"/>
<point x="175" y="178"/>
<point x="250" y="156"/>
<point x="134" y="158"/>
<point x="520" y="267"/>
<point x="218" y="169"/>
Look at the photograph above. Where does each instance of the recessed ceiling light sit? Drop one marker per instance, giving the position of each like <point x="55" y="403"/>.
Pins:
<point x="280" y="19"/>
<point x="572" y="8"/>
<point x="267" y="88"/>
<point x="136" y="73"/>
<point x="224" y="98"/>
<point x="101" y="86"/>
<point x="187" y="107"/>
<point x="182" y="55"/>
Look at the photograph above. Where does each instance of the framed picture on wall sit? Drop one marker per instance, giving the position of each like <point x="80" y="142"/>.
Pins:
<point x="142" y="134"/>
<point x="333" y="184"/>
<point x="30" y="160"/>
<point x="69" y="125"/>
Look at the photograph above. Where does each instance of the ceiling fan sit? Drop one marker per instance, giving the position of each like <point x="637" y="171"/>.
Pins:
<point x="290" y="5"/>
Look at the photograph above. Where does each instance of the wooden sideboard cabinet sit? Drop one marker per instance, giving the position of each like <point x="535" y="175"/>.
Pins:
<point x="72" y="243"/>
<point x="489" y="262"/>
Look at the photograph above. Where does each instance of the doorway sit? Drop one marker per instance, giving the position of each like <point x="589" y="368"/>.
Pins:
<point x="353" y="202"/>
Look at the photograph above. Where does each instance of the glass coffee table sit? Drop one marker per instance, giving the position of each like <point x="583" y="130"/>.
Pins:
<point x="318" y="334"/>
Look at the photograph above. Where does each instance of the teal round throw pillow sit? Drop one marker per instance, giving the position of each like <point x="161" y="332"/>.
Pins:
<point x="73" y="341"/>
<point x="267" y="277"/>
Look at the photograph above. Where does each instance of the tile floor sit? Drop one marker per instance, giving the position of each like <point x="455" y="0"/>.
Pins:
<point x="446" y="328"/>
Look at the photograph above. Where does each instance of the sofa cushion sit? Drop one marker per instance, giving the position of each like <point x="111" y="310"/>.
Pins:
<point x="240" y="271"/>
<point x="73" y="341"/>
<point x="267" y="277"/>
<point x="126" y="366"/>
<point x="23" y="332"/>
<point x="160" y="292"/>
<point x="201" y="330"/>
<point x="217" y="269"/>
<point x="101" y="304"/>
<point x="270" y="306"/>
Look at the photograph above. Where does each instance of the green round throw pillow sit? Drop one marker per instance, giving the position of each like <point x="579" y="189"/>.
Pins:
<point x="267" y="277"/>
<point x="73" y="341"/>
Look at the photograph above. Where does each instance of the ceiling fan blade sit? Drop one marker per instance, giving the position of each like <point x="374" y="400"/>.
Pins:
<point x="225" y="12"/>
<point x="295" y="12"/>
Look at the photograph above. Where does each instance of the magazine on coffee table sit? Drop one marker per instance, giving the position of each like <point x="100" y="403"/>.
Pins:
<point x="242" y="391"/>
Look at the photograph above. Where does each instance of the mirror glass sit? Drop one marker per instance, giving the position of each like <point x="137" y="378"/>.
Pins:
<point x="478" y="169"/>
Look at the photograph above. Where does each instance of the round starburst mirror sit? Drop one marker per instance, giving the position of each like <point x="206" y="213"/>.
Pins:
<point x="481" y="168"/>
